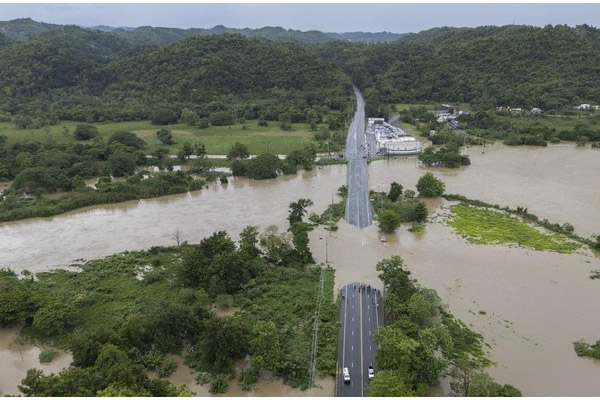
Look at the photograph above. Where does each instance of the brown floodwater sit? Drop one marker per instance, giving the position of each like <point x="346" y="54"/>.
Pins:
<point x="17" y="357"/>
<point x="536" y="303"/>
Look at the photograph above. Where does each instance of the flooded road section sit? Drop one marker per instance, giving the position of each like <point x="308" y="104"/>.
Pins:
<point x="534" y="304"/>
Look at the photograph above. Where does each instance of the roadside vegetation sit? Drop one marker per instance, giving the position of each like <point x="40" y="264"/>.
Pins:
<point x="488" y="226"/>
<point x="396" y="207"/>
<point x="421" y="342"/>
<point x="121" y="315"/>
<point x="334" y="212"/>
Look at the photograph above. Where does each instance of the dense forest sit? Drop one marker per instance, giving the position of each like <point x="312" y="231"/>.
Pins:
<point x="72" y="73"/>
<point x="54" y="72"/>
<point x="521" y="66"/>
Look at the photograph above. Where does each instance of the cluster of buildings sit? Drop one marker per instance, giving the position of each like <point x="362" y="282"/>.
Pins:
<point x="518" y="110"/>
<point x="587" y="107"/>
<point x="392" y="140"/>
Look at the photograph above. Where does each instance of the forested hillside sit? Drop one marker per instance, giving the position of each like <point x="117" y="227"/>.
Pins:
<point x="80" y="74"/>
<point x="24" y="28"/>
<point x="521" y="66"/>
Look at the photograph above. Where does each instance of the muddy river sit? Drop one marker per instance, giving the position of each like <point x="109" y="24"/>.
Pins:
<point x="536" y="303"/>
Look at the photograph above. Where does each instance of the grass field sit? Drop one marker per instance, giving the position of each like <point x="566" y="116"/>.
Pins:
<point x="217" y="139"/>
<point x="486" y="226"/>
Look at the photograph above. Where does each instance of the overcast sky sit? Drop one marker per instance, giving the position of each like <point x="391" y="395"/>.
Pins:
<point x="325" y="17"/>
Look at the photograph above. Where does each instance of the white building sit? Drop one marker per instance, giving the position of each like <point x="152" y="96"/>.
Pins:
<point x="392" y="140"/>
<point x="536" y="111"/>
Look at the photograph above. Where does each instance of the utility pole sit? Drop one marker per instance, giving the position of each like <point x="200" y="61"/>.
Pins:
<point x="326" y="250"/>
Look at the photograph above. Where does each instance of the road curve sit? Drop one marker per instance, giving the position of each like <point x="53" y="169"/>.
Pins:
<point x="358" y="209"/>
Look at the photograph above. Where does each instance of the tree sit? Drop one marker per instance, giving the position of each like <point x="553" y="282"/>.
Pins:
<point x="389" y="221"/>
<point x="322" y="133"/>
<point x="122" y="163"/>
<point x="300" y="239"/>
<point x="85" y="132"/>
<point x="430" y="186"/>
<point x="238" y="168"/>
<point x="44" y="179"/>
<point x="165" y="136"/>
<point x="248" y="243"/>
<point x="195" y="269"/>
<point x="53" y="319"/>
<point x="420" y="212"/>
<point x="128" y="139"/>
<point x="16" y="303"/>
<point x="189" y="117"/>
<point x="238" y="152"/>
<point x="263" y="166"/>
<point x="462" y="375"/>
<point x="201" y="165"/>
<point x="395" y="191"/>
<point x="297" y="210"/>
<point x="285" y="122"/>
<point x="187" y="149"/>
<point x="225" y="339"/>
<point x="221" y="118"/>
<point x="23" y="122"/>
<point x="178" y="237"/>
<point x="390" y="384"/>
<point x="164" y="116"/>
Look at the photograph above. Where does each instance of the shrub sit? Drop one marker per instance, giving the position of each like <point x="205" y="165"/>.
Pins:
<point x="264" y="166"/>
<point x="221" y="118"/>
<point x="47" y="355"/>
<point x="219" y="384"/>
<point x="128" y="139"/>
<point x="164" y="116"/>
<point x="85" y="132"/>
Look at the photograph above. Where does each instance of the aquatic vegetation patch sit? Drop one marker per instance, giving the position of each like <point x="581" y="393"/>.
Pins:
<point x="487" y="226"/>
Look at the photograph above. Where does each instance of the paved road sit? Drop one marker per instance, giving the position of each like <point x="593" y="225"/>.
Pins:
<point x="358" y="208"/>
<point x="360" y="316"/>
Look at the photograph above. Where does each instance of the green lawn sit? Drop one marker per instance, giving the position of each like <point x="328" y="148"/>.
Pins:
<point x="218" y="139"/>
<point x="486" y="226"/>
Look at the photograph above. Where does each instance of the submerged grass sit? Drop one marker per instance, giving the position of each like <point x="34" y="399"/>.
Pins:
<point x="486" y="226"/>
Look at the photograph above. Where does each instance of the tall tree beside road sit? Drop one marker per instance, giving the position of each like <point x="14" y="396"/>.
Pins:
<point x="389" y="221"/>
<point x="389" y="384"/>
<point x="238" y="152"/>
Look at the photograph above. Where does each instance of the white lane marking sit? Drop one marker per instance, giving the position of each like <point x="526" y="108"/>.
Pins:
<point x="369" y="319"/>
<point x="352" y="347"/>
<point x="353" y="364"/>
<point x="369" y="347"/>
<point x="345" y="319"/>
<point x="352" y="333"/>
<point x="369" y="333"/>
<point x="352" y="319"/>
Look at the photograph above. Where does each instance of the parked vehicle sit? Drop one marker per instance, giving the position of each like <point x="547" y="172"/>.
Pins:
<point x="371" y="372"/>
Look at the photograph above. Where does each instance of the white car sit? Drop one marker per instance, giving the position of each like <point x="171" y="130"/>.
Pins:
<point x="346" y="375"/>
<point x="371" y="372"/>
